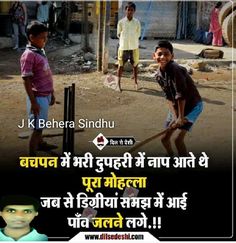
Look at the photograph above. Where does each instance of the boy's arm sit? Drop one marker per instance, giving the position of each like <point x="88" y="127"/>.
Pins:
<point x="118" y="29"/>
<point x="172" y="109"/>
<point x="139" y="29"/>
<point x="181" y="90"/>
<point x="180" y="119"/>
<point x="28" y="87"/>
<point x="53" y="99"/>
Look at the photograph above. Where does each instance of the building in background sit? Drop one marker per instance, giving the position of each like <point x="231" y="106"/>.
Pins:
<point x="159" y="19"/>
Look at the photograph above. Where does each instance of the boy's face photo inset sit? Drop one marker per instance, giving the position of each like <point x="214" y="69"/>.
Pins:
<point x="18" y="216"/>
<point x="18" y="212"/>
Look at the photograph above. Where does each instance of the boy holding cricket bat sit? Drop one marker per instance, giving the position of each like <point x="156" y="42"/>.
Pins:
<point x="183" y="98"/>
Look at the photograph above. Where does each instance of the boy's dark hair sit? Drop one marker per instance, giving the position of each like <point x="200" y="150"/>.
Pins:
<point x="165" y="44"/>
<point x="130" y="5"/>
<point x="218" y="4"/>
<point x="18" y="200"/>
<point x="35" y="28"/>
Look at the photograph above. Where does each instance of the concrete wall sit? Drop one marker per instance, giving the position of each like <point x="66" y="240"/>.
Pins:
<point x="159" y="18"/>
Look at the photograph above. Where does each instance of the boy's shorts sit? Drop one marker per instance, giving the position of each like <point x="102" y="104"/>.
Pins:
<point x="39" y="121"/>
<point x="125" y="55"/>
<point x="191" y="117"/>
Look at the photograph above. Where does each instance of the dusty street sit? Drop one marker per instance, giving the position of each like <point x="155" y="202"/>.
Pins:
<point x="136" y="113"/>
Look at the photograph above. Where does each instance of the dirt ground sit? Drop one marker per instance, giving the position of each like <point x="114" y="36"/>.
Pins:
<point x="136" y="113"/>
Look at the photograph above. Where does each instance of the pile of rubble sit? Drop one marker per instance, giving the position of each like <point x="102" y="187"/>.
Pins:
<point x="69" y="57"/>
<point x="77" y="62"/>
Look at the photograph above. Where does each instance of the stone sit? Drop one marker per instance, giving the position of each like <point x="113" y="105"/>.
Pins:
<point x="89" y="56"/>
